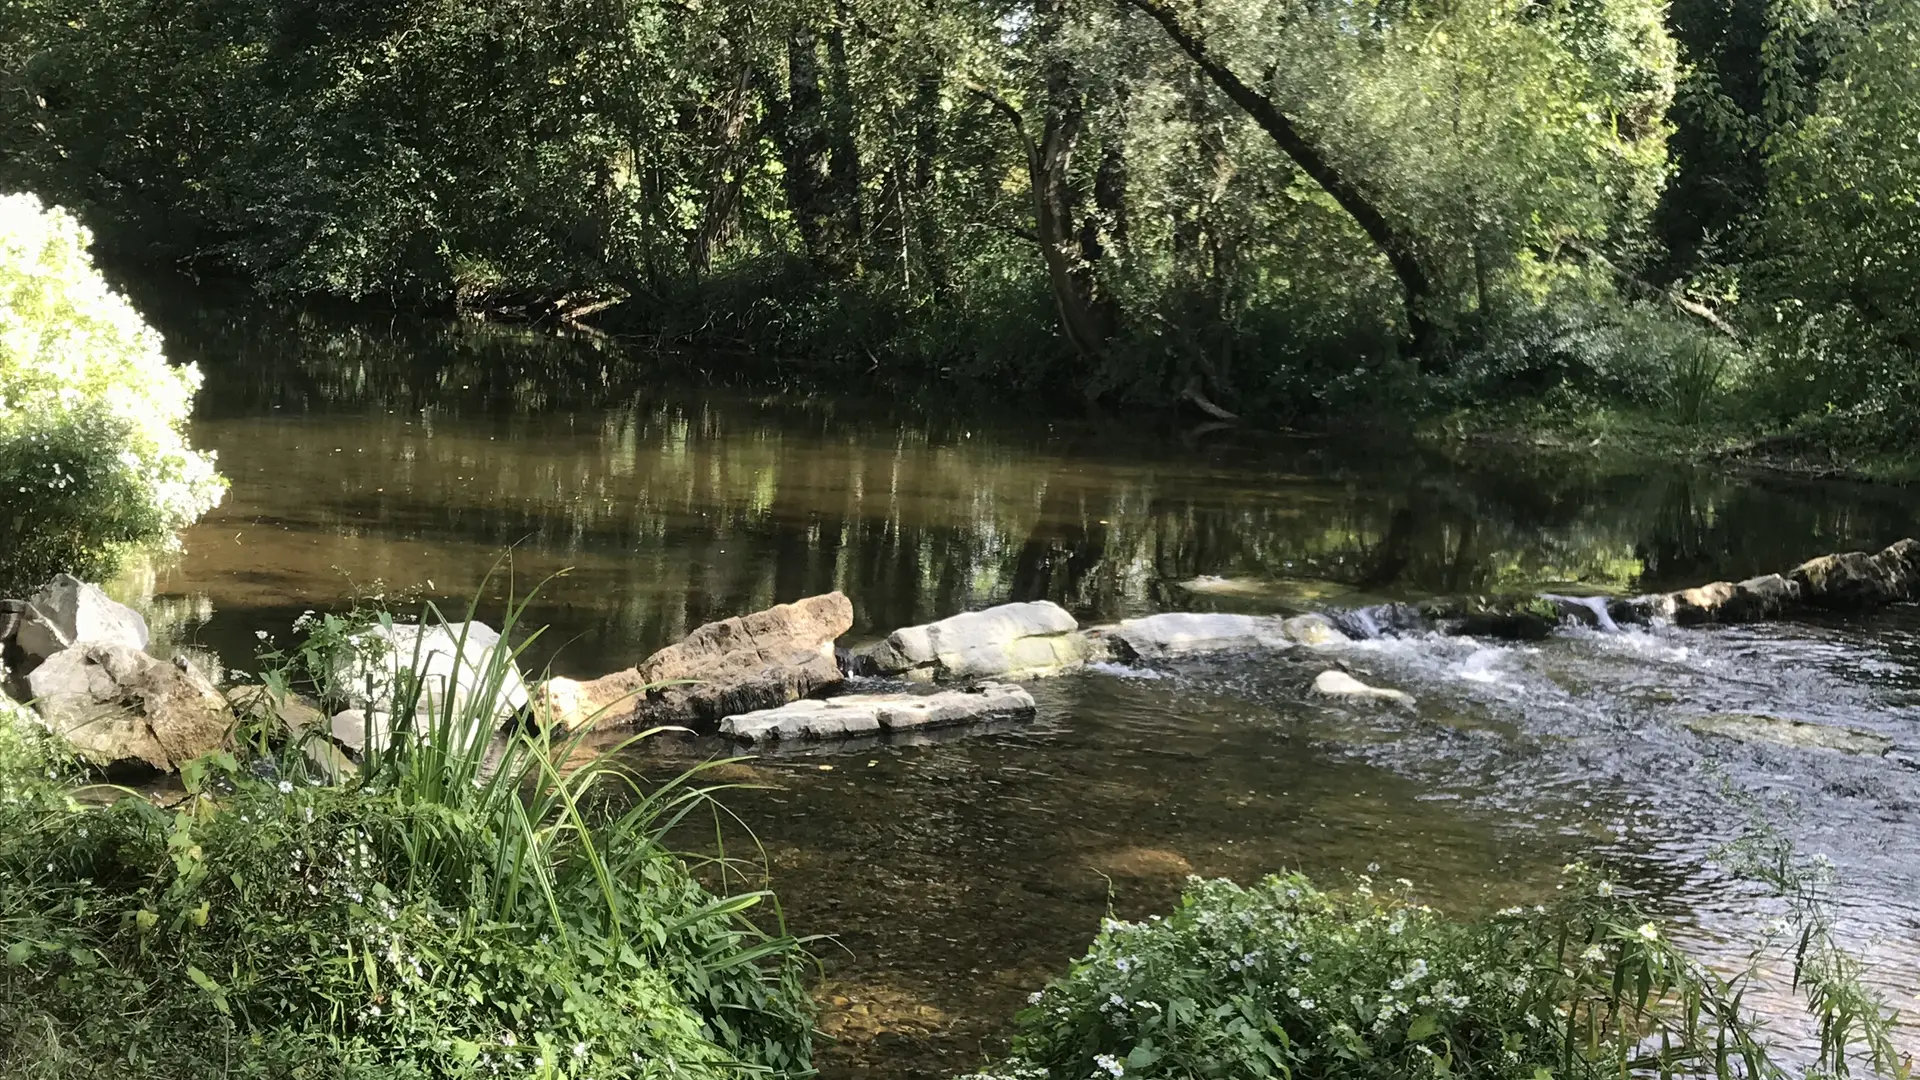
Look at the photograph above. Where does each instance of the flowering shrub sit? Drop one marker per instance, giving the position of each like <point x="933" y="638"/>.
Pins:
<point x="1284" y="980"/>
<point x="92" y="452"/>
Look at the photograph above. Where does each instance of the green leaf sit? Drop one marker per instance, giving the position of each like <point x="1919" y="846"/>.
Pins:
<point x="1422" y="1028"/>
<point x="202" y="980"/>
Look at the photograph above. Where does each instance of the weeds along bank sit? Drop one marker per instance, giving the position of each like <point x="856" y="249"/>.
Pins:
<point x="460" y="908"/>
<point x="1281" y="979"/>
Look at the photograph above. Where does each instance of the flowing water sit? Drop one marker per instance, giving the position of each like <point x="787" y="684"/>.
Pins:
<point x="956" y="874"/>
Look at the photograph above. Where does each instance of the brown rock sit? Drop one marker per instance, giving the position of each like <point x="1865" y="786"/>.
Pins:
<point x="733" y="666"/>
<point x="1689" y="607"/>
<point x="113" y="703"/>
<point x="1141" y="862"/>
<point x="1854" y="579"/>
<point x="1761" y="597"/>
<point x="569" y="705"/>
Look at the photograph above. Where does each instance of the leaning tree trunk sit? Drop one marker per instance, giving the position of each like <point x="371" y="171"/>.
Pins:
<point x="1392" y="243"/>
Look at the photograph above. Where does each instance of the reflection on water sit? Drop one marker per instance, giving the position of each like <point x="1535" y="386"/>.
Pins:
<point x="955" y="876"/>
<point x="412" y="456"/>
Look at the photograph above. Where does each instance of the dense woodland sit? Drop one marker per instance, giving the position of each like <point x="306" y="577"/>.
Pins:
<point x="1275" y="207"/>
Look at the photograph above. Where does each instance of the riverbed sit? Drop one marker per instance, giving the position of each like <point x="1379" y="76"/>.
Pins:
<point x="426" y="461"/>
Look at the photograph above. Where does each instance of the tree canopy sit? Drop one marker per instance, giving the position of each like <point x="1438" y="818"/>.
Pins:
<point x="1274" y="203"/>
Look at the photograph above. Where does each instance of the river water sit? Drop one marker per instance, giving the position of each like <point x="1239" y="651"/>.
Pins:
<point x="954" y="875"/>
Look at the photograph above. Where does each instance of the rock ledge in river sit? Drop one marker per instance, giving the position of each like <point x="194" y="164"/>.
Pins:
<point x="732" y="666"/>
<point x="871" y="714"/>
<point x="1854" y="579"/>
<point x="1011" y="641"/>
<point x="1186" y="634"/>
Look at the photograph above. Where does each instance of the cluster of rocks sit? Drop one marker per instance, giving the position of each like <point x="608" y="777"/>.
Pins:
<point x="79" y="658"/>
<point x="1849" y="581"/>
<point x="775" y="675"/>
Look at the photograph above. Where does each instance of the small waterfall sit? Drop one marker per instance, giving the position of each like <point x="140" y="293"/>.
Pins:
<point x="1594" y="608"/>
<point x="1381" y="620"/>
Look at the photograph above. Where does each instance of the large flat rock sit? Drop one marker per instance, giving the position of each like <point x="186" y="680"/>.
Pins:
<point x="1189" y="634"/>
<point x="113" y="704"/>
<point x="1011" y="641"/>
<point x="854" y="715"/>
<point x="1784" y="731"/>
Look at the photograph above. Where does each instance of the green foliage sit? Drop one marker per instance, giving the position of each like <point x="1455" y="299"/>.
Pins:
<point x="1281" y="979"/>
<point x="1574" y="349"/>
<point x="93" y="455"/>
<point x="1834" y="283"/>
<point x="838" y="183"/>
<point x="463" y="907"/>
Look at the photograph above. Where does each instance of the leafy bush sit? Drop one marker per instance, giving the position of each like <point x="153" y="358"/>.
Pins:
<point x="92" y="452"/>
<point x="458" y="909"/>
<point x="1282" y="979"/>
<point x="1578" y="346"/>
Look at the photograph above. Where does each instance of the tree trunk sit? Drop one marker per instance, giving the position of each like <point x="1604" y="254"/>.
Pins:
<point x="804" y="144"/>
<point x="727" y="127"/>
<point x="926" y="153"/>
<point x="844" y="155"/>
<point x="1396" y="246"/>
<point x="1067" y="279"/>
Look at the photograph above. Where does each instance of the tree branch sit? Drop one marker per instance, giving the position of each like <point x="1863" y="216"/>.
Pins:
<point x="1396" y="247"/>
<point x="1673" y="296"/>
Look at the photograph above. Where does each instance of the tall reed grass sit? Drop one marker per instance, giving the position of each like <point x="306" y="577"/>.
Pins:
<point x="471" y="901"/>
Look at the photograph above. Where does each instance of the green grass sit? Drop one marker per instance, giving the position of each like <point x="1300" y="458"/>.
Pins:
<point x="464" y="907"/>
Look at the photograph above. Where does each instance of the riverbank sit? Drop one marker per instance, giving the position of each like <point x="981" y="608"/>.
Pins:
<point x="1489" y="734"/>
<point x="1816" y="450"/>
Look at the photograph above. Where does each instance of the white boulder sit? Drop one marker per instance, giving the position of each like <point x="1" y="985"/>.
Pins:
<point x="1342" y="685"/>
<point x="465" y="666"/>
<point x="1187" y="634"/>
<point x="67" y="611"/>
<point x="1015" y="641"/>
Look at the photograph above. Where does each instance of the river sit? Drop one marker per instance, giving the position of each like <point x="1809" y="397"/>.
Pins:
<point x="955" y="875"/>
